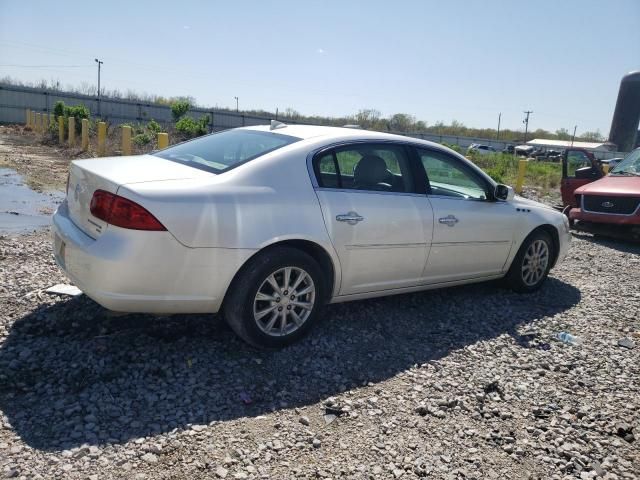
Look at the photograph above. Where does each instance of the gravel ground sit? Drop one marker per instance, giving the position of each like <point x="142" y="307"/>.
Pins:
<point x="458" y="383"/>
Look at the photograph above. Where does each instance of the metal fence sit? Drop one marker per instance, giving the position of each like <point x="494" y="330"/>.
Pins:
<point x="15" y="100"/>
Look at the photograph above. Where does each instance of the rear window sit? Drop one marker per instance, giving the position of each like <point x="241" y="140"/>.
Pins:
<point x="224" y="150"/>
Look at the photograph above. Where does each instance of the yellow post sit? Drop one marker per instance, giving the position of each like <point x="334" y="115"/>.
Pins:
<point x="45" y="122"/>
<point x="605" y="169"/>
<point x="72" y="132"/>
<point x="85" y="135"/>
<point x="60" y="129"/>
<point x="33" y="119"/>
<point x="126" y="140"/>
<point x="102" y="137"/>
<point x="52" y="118"/>
<point x="522" y="167"/>
<point x="36" y="122"/>
<point x="163" y="140"/>
<point x="28" y="117"/>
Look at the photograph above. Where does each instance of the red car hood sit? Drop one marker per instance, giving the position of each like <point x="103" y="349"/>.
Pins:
<point x="612" y="185"/>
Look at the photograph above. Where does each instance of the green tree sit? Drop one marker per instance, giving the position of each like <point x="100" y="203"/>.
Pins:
<point x="563" y="134"/>
<point x="592" y="136"/>
<point x="402" y="122"/>
<point x="179" y="108"/>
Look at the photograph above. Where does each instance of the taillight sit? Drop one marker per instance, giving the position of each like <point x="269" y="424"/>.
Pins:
<point x="122" y="212"/>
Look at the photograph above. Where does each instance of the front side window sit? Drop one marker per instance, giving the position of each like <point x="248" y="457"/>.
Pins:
<point x="576" y="160"/>
<point x="365" y="166"/>
<point x="447" y="177"/>
<point x="222" y="151"/>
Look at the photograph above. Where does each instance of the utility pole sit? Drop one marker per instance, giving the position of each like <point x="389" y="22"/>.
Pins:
<point x="526" y="124"/>
<point x="236" y="104"/>
<point x="99" y="64"/>
<point x="498" y="134"/>
<point x="574" y="134"/>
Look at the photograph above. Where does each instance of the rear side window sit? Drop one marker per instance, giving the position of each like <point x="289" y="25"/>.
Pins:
<point x="364" y="166"/>
<point x="221" y="151"/>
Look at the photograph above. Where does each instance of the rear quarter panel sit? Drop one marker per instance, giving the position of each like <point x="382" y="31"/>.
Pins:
<point x="262" y="202"/>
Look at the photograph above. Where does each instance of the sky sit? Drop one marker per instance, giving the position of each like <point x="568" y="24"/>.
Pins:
<point x="437" y="60"/>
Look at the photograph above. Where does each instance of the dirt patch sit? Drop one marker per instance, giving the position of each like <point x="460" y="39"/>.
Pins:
<point x="44" y="167"/>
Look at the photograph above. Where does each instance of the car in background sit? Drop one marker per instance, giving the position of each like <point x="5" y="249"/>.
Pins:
<point x="554" y="155"/>
<point x="612" y="201"/>
<point x="481" y="149"/>
<point x="265" y="224"/>
<point x="524" y="150"/>
<point x="509" y="149"/>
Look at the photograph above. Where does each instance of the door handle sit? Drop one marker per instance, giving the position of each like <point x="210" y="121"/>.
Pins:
<point x="351" y="218"/>
<point x="449" y="220"/>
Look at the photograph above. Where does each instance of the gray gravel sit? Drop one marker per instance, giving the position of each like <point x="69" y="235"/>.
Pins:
<point x="459" y="383"/>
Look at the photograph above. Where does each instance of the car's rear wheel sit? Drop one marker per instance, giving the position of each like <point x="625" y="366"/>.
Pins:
<point x="275" y="298"/>
<point x="532" y="263"/>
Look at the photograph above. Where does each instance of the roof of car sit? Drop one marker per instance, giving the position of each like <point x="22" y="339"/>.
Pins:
<point x="311" y="131"/>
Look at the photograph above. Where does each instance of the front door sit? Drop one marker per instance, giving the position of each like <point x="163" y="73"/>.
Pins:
<point x="472" y="234"/>
<point x="578" y="169"/>
<point x="379" y="226"/>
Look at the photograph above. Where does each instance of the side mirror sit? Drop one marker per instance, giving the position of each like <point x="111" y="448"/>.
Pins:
<point x="504" y="193"/>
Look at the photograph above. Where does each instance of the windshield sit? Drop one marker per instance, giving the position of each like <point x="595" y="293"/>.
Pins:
<point x="224" y="150"/>
<point x="630" y="165"/>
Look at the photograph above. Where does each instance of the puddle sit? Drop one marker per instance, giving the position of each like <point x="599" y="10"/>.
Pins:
<point x="22" y="209"/>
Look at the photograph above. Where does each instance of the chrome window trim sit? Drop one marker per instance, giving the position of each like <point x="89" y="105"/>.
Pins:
<point x="635" y="212"/>
<point x="447" y="197"/>
<point x="413" y="144"/>
<point x="377" y="192"/>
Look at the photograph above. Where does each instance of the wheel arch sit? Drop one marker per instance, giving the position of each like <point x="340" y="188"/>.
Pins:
<point x="555" y="238"/>
<point x="311" y="248"/>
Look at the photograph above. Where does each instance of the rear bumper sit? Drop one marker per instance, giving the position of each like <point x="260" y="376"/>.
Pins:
<point x="612" y="219"/>
<point x="148" y="272"/>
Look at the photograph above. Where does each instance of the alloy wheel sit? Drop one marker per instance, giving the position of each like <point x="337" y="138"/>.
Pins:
<point x="535" y="262"/>
<point x="284" y="301"/>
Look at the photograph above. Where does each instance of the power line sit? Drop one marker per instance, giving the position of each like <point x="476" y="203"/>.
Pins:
<point x="46" y="66"/>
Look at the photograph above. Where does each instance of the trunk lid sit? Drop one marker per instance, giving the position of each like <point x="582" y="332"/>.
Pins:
<point x="109" y="173"/>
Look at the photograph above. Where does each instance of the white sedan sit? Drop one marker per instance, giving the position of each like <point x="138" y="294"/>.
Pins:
<point x="266" y="224"/>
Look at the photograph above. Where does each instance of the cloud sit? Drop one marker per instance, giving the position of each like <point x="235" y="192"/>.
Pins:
<point x="319" y="51"/>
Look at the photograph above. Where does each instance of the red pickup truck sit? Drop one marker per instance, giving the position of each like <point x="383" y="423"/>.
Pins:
<point x="613" y="200"/>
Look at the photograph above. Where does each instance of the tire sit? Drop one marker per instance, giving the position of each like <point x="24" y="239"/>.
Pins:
<point x="259" y="320"/>
<point x="527" y="274"/>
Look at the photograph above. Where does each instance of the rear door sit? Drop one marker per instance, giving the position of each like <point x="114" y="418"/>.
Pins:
<point x="379" y="225"/>
<point x="472" y="234"/>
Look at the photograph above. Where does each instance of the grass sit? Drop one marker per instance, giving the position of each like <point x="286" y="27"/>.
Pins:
<point x="543" y="176"/>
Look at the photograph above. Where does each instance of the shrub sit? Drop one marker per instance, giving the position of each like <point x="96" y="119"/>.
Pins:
<point x="58" y="109"/>
<point x="78" y="112"/>
<point x="141" y="139"/>
<point x="192" y="128"/>
<point x="179" y="108"/>
<point x="154" y="127"/>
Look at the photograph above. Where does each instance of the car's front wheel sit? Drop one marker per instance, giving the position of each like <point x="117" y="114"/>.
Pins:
<point x="275" y="298"/>
<point x="532" y="263"/>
